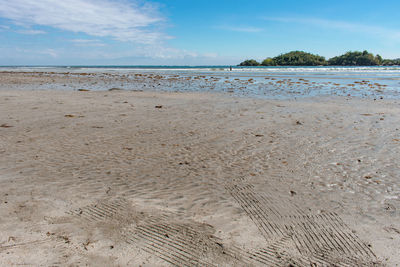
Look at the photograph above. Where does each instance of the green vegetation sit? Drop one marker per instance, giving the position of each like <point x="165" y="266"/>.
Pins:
<point x="356" y="59"/>
<point x="250" y="62"/>
<point x="391" y="62"/>
<point x="268" y="62"/>
<point x="295" y="58"/>
<point x="300" y="58"/>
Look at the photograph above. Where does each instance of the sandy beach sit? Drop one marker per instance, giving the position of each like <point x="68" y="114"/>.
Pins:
<point x="129" y="178"/>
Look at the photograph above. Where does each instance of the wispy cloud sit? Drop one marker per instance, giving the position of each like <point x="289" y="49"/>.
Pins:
<point x="377" y="31"/>
<point x="121" y="20"/>
<point x="31" y="32"/>
<point x="133" y="21"/>
<point x="33" y="53"/>
<point x="87" y="42"/>
<point x="50" y="52"/>
<point x="162" y="52"/>
<point x="239" y="28"/>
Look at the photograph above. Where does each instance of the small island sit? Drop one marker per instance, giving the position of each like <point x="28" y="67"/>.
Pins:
<point x="301" y="58"/>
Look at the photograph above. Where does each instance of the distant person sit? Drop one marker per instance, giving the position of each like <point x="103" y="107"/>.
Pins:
<point x="230" y="68"/>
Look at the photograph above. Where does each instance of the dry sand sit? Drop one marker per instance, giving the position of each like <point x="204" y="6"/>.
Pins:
<point x="153" y="179"/>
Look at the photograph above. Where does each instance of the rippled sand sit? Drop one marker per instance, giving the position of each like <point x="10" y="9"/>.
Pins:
<point x="156" y="179"/>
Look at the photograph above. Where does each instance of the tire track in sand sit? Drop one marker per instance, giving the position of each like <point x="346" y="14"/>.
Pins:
<point x="321" y="239"/>
<point x="183" y="243"/>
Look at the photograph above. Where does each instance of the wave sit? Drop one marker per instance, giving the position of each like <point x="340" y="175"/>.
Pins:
<point x="319" y="70"/>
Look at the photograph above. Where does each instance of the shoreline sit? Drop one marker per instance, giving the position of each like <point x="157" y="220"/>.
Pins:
<point x="256" y="85"/>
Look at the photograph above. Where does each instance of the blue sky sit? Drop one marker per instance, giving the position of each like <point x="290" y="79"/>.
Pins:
<point x="190" y="32"/>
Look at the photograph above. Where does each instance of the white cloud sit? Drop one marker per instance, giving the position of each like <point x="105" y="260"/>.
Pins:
<point x="31" y="32"/>
<point x="119" y="19"/>
<point x="381" y="32"/>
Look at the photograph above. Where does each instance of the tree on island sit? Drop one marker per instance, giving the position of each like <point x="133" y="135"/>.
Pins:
<point x="295" y="58"/>
<point x="250" y="62"/>
<point x="391" y="62"/>
<point x="268" y="62"/>
<point x="301" y="58"/>
<point x="356" y="58"/>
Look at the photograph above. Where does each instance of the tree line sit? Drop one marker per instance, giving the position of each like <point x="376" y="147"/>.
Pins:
<point x="301" y="58"/>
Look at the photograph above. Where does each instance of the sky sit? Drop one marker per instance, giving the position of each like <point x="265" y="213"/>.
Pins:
<point x="191" y="32"/>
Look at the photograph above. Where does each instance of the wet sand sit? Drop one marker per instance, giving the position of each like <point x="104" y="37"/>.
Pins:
<point x="116" y="178"/>
<point x="251" y="84"/>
